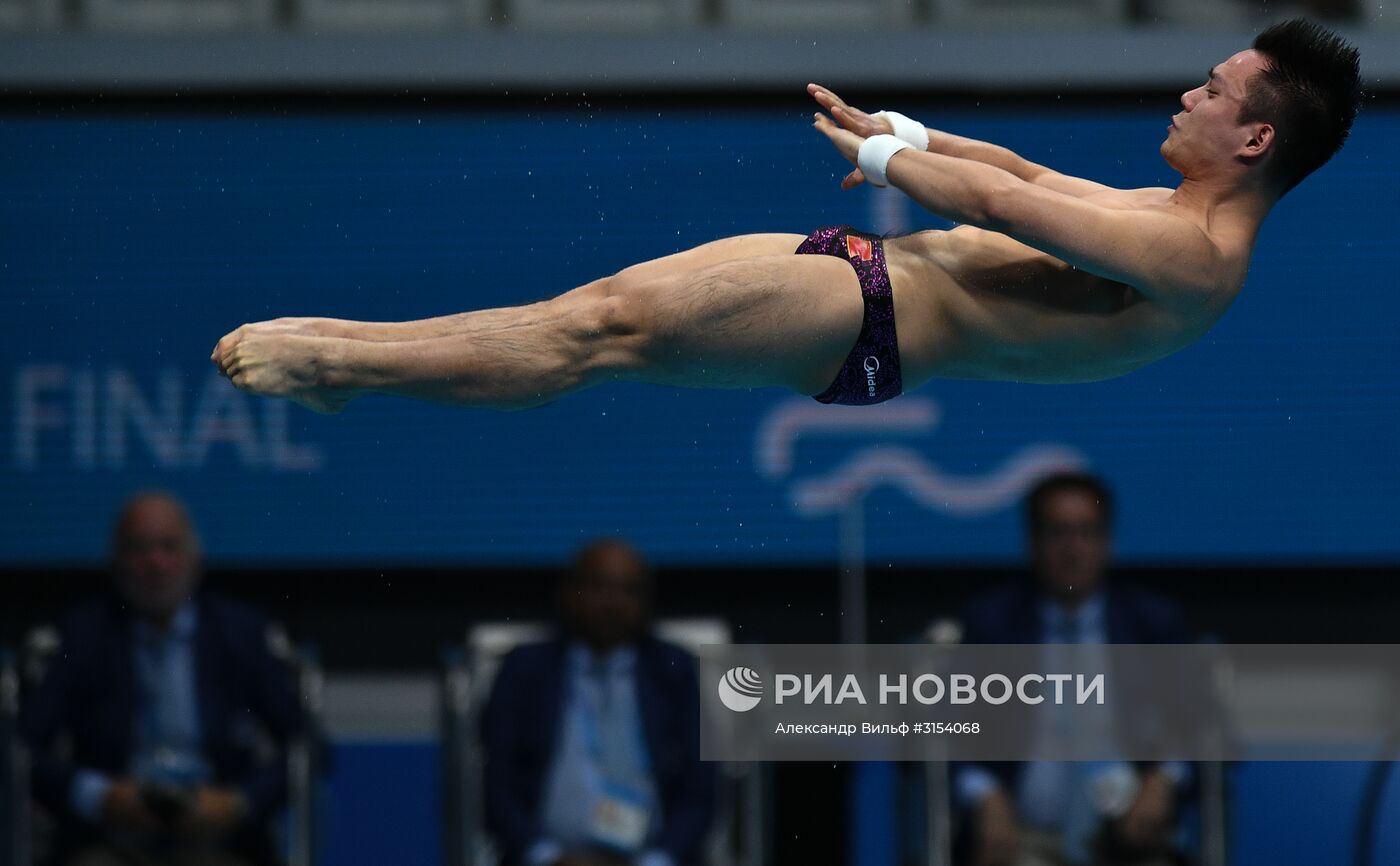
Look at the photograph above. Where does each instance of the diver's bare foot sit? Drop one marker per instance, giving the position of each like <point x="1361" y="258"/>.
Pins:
<point x="276" y="363"/>
<point x="303" y="326"/>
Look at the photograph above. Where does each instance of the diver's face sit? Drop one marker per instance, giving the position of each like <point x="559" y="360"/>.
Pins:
<point x="1207" y="133"/>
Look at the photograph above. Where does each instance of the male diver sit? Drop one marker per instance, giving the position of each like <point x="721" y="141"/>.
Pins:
<point x="1046" y="278"/>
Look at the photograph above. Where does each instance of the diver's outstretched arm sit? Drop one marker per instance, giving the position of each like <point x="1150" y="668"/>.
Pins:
<point x="948" y="144"/>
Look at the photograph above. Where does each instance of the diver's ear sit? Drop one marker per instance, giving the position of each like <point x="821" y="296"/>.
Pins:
<point x="1261" y="139"/>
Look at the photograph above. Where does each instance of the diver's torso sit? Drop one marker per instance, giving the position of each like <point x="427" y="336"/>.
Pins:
<point x="977" y="304"/>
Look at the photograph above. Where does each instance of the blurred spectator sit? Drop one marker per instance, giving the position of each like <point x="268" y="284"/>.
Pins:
<point x="1038" y="813"/>
<point x="592" y="738"/>
<point x="143" y="732"/>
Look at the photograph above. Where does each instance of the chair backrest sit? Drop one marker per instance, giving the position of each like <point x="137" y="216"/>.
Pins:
<point x="943" y="632"/>
<point x="691" y="634"/>
<point x="41" y="646"/>
<point x="487" y="643"/>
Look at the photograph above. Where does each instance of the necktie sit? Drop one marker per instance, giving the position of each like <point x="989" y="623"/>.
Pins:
<point x="615" y="725"/>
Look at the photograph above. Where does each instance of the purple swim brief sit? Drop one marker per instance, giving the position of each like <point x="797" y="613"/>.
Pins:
<point x="871" y="372"/>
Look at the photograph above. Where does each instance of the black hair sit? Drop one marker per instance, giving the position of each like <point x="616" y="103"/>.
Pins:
<point x="1309" y="89"/>
<point x="1068" y="480"/>
<point x="586" y="560"/>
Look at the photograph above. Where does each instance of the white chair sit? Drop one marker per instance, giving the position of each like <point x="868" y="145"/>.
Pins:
<point x="692" y="634"/>
<point x="467" y="683"/>
<point x="938" y="803"/>
<point x="488" y="643"/>
<point x="303" y="755"/>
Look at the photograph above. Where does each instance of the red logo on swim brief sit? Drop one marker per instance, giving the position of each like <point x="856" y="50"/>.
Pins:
<point x="859" y="248"/>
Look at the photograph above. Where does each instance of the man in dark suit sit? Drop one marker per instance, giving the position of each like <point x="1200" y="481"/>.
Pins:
<point x="1029" y="814"/>
<point x="145" y="731"/>
<point x="592" y="738"/>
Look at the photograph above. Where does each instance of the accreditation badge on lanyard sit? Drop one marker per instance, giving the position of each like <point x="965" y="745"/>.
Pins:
<point x="621" y="816"/>
<point x="622" y="807"/>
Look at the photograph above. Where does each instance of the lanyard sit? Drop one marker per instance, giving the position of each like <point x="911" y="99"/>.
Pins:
<point x="591" y="713"/>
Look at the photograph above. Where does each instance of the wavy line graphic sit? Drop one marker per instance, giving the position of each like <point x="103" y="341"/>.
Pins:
<point x="779" y="431"/>
<point x="930" y="487"/>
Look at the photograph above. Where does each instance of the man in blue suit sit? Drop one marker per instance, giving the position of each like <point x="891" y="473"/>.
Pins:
<point x="1042" y="813"/>
<point x="592" y="739"/>
<point x="145" y="731"/>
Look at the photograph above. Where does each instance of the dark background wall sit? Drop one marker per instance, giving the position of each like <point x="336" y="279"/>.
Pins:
<point x="394" y="619"/>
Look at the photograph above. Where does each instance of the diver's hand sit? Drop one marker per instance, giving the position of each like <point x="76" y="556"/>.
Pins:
<point x="850" y="117"/>
<point x="853" y="119"/>
<point x="847" y="144"/>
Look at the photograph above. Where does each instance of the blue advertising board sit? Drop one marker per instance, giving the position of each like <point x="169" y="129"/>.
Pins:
<point x="129" y="244"/>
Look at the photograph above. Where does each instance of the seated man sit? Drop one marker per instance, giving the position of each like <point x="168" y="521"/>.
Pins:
<point x="1043" y="813"/>
<point x="592" y="739"/>
<point x="159" y="690"/>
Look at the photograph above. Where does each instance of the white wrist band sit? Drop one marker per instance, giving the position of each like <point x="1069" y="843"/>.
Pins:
<point x="874" y="156"/>
<point x="906" y="128"/>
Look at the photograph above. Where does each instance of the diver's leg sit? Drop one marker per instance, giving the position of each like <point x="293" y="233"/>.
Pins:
<point x="704" y="255"/>
<point x="786" y="320"/>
